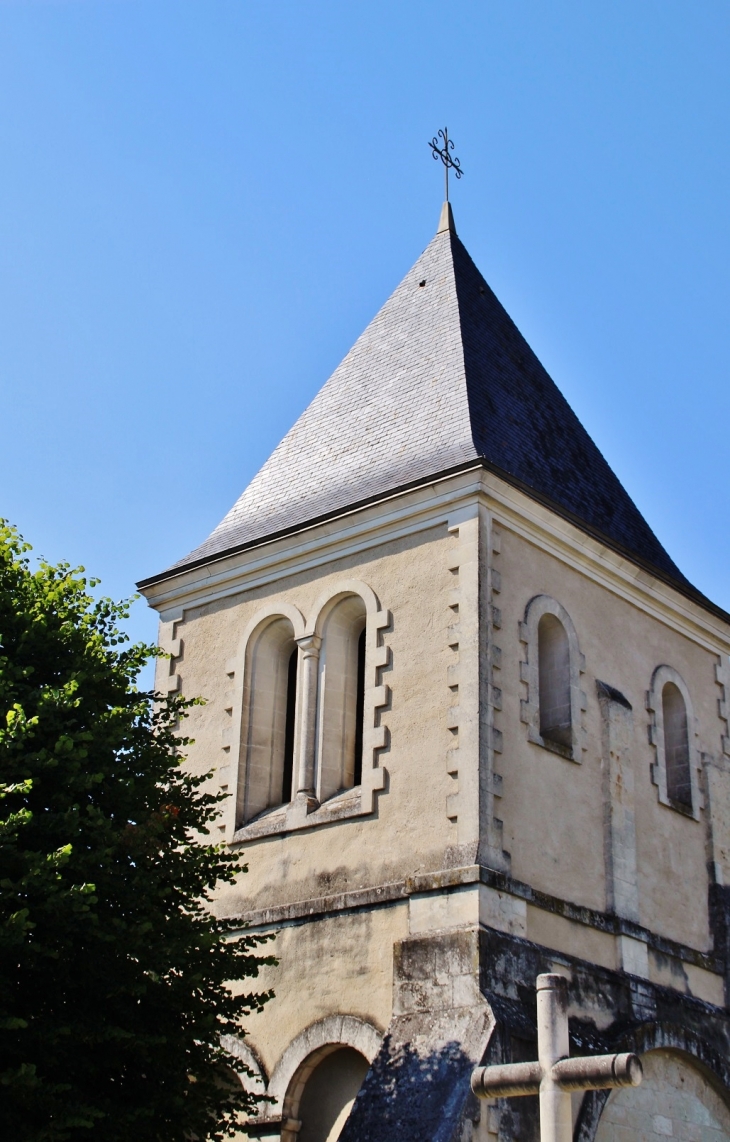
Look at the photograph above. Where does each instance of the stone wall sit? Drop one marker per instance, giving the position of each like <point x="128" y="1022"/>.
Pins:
<point x="473" y="830"/>
<point x="674" y="1101"/>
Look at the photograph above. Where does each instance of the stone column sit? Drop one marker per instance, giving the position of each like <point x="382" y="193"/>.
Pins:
<point x="309" y="647"/>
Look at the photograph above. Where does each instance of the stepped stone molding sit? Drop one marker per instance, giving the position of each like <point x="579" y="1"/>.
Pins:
<point x="529" y="674"/>
<point x="716" y="786"/>
<point x="307" y="813"/>
<point x="168" y="680"/>
<point x="660" y="677"/>
<point x="493" y="854"/>
<point x="171" y="643"/>
<point x="462" y="708"/>
<point x="722" y="676"/>
<point x="475" y="662"/>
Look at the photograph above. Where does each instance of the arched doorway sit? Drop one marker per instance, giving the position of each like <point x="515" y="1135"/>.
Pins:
<point x="321" y="1103"/>
<point x="675" y="1101"/>
<point x="254" y="1081"/>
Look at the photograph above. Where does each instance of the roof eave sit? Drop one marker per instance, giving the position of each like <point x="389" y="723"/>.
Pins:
<point x="683" y="586"/>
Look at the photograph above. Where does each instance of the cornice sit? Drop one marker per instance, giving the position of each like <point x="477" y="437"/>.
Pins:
<point x="391" y="518"/>
<point x="536" y="523"/>
<point x="453" y="879"/>
<point x="425" y="507"/>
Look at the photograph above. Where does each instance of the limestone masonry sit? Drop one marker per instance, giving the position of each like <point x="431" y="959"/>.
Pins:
<point x="474" y="725"/>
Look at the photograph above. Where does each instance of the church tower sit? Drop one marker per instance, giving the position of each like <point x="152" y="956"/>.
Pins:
<point x="473" y="724"/>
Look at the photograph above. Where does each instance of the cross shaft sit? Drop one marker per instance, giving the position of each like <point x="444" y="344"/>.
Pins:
<point x="555" y="1074"/>
<point x="444" y="153"/>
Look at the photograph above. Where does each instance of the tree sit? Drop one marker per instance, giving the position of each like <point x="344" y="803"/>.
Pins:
<point x="114" y="971"/>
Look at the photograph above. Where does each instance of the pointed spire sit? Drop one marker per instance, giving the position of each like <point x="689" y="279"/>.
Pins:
<point x="462" y="387"/>
<point x="446" y="221"/>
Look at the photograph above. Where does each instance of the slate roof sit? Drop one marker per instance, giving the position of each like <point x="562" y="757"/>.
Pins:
<point x="440" y="379"/>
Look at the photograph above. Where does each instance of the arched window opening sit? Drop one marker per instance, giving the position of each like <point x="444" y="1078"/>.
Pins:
<point x="287" y="791"/>
<point x="270" y="720"/>
<point x="329" y="1094"/>
<point x="359" y="706"/>
<point x="676" y="745"/>
<point x="554" y="681"/>
<point x="341" y="699"/>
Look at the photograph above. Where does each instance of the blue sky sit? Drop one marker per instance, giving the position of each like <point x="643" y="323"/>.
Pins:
<point x="203" y="204"/>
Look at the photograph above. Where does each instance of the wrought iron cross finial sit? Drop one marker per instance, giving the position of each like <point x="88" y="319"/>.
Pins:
<point x="447" y="159"/>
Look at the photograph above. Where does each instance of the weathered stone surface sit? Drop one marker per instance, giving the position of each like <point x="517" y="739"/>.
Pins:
<point x="417" y="1089"/>
<point x="674" y="1101"/>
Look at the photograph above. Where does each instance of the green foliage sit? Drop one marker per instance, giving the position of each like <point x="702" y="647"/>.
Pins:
<point x="113" y="972"/>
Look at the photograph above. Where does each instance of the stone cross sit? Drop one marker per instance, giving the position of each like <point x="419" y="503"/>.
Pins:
<point x="555" y="1074"/>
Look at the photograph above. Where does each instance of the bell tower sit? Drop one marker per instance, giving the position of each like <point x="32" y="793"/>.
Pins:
<point x="473" y="724"/>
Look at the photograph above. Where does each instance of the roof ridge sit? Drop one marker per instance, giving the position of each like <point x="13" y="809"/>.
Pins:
<point x="523" y="424"/>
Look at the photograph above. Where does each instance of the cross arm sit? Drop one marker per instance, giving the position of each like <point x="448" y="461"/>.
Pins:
<point x="506" y="1080"/>
<point x="597" y="1072"/>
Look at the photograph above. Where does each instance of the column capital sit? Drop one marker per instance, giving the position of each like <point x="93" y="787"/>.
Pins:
<point x="310" y="645"/>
